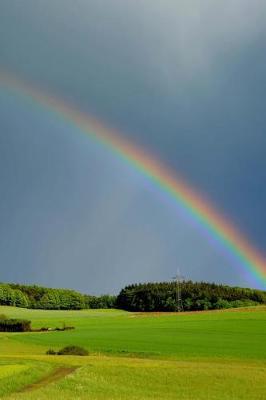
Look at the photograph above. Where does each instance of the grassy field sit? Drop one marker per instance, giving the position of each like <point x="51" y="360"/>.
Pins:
<point x="209" y="355"/>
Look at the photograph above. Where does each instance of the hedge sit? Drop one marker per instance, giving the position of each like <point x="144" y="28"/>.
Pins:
<point x="15" y="325"/>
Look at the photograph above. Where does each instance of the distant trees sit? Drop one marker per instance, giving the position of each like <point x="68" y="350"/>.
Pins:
<point x="12" y="297"/>
<point x="104" y="301"/>
<point x="32" y="296"/>
<point x="138" y="297"/>
<point x="47" y="298"/>
<point x="195" y="296"/>
<point x="61" y="299"/>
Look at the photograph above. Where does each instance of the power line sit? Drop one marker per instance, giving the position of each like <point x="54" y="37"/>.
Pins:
<point x="178" y="278"/>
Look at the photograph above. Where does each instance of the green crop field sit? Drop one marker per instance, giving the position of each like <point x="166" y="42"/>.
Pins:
<point x="208" y="355"/>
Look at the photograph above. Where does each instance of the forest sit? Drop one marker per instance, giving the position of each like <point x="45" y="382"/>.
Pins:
<point x="195" y="296"/>
<point x="160" y="296"/>
<point x="38" y="297"/>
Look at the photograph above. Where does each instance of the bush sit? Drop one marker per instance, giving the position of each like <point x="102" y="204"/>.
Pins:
<point x="73" y="350"/>
<point x="51" y="352"/>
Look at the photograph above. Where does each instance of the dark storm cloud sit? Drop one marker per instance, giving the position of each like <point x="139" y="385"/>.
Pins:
<point x="184" y="79"/>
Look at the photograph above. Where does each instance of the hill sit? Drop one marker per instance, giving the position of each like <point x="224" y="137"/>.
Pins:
<point x="213" y="355"/>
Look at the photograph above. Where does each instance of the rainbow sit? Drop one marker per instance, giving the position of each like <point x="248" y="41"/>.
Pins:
<point x="251" y="262"/>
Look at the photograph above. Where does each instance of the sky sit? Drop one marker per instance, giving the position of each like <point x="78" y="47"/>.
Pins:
<point x="184" y="80"/>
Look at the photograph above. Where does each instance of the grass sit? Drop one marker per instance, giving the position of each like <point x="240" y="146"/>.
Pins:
<point x="17" y="373"/>
<point x="212" y="355"/>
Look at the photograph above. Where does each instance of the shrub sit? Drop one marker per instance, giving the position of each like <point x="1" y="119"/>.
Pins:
<point x="73" y="350"/>
<point x="43" y="329"/>
<point x="51" y="352"/>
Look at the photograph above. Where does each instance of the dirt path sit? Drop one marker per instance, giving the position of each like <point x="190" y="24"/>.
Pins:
<point x="55" y="375"/>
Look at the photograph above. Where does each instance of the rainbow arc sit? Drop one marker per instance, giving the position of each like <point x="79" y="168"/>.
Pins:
<point x="239" y="248"/>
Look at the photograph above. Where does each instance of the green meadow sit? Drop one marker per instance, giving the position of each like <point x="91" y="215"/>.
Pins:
<point x="204" y="355"/>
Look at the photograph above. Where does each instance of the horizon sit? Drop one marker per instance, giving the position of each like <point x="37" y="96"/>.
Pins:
<point x="129" y="284"/>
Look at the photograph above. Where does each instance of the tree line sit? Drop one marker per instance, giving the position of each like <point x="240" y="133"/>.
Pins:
<point x="195" y="296"/>
<point x="161" y="296"/>
<point x="33" y="296"/>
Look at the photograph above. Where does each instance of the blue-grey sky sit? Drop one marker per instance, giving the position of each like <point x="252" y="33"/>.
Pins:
<point x="186" y="81"/>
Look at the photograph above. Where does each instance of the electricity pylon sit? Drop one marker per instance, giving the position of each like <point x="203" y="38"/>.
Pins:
<point x="178" y="293"/>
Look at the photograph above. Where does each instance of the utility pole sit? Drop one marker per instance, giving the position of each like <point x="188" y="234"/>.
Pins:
<point x="178" y="279"/>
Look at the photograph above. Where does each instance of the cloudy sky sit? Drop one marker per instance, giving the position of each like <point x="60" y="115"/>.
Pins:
<point x="183" y="79"/>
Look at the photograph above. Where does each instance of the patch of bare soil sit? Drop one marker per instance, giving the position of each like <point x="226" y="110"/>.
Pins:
<point x="55" y="375"/>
